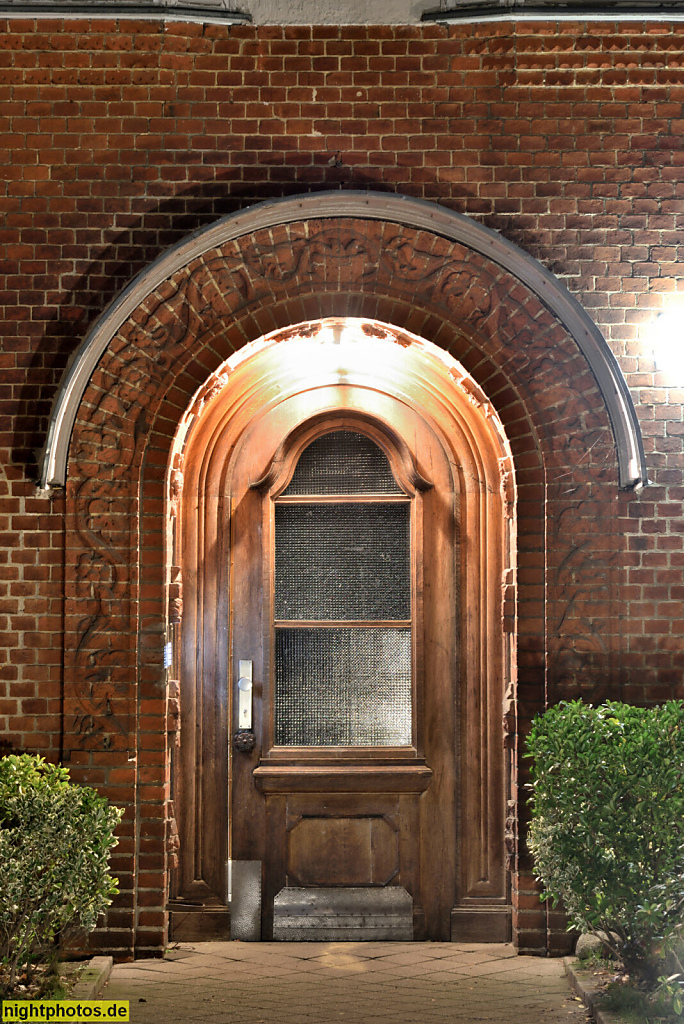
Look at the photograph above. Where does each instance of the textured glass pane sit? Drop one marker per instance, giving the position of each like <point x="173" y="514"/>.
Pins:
<point x="342" y="561"/>
<point x="343" y="462"/>
<point x="343" y="687"/>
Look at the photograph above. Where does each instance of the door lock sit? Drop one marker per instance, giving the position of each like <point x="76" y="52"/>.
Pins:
<point x="244" y="738"/>
<point x="245" y="695"/>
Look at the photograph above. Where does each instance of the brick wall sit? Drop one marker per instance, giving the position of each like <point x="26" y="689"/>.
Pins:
<point x="118" y="138"/>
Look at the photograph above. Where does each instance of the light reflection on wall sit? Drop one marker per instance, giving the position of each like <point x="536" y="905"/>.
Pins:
<point x="666" y="335"/>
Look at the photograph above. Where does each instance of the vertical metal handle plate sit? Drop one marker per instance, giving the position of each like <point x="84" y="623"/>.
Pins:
<point x="244" y="695"/>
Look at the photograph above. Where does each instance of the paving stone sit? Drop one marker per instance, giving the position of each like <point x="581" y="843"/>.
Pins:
<point x="346" y="983"/>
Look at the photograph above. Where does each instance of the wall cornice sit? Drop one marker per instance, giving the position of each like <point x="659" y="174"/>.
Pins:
<point x="553" y="10"/>
<point x="403" y="210"/>
<point x="348" y="12"/>
<point x="206" y="14"/>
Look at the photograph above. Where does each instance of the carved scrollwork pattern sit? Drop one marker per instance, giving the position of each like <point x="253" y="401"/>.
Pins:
<point x="583" y="579"/>
<point x="485" y="305"/>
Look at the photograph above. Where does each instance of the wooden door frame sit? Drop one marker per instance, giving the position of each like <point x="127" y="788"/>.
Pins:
<point x="337" y="783"/>
<point x="275" y="481"/>
<point x="475" y="442"/>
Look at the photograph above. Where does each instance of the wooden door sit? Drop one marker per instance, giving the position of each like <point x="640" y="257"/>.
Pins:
<point x="342" y="511"/>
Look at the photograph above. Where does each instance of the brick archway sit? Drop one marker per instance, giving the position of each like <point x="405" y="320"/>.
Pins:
<point x="118" y="723"/>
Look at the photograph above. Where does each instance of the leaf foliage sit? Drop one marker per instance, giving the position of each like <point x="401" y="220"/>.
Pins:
<point x="607" y="830"/>
<point x="55" y="842"/>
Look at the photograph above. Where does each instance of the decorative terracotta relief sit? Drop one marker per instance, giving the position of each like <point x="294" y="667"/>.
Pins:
<point x="515" y="348"/>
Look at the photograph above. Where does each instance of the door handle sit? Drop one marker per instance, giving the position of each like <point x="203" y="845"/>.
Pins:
<point x="245" y="695"/>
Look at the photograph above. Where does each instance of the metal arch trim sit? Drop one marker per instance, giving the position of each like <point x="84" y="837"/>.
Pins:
<point x="195" y="13"/>
<point x="415" y="213"/>
<point x="488" y="13"/>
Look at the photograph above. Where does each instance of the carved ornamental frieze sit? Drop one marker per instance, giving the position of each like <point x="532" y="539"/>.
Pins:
<point x="526" y="363"/>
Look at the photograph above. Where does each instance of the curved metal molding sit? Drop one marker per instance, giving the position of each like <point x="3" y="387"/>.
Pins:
<point x="574" y="10"/>
<point x="204" y="14"/>
<point x="415" y="213"/>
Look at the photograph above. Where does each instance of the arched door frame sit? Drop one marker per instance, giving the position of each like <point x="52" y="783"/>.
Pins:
<point x="131" y="384"/>
<point x="471" y="436"/>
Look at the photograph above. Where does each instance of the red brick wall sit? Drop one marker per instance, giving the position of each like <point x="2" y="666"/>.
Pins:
<point x="118" y="138"/>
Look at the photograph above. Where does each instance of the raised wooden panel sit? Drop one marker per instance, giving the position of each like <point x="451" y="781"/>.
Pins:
<point x="403" y="778"/>
<point x="342" y="851"/>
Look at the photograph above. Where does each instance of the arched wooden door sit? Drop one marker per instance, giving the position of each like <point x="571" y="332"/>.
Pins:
<point x="337" y="544"/>
<point x="339" y="556"/>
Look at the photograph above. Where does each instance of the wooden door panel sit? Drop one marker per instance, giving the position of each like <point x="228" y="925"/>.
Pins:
<point x="342" y="851"/>
<point x="348" y="840"/>
<point x="395" y="823"/>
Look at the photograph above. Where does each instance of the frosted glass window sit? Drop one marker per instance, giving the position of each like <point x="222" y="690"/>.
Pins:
<point x="338" y="561"/>
<point x="343" y="687"/>
<point x="342" y="561"/>
<point x="343" y="462"/>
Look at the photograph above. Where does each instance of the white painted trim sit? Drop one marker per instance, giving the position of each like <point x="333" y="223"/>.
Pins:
<point x="195" y="13"/>
<point x="336" y="12"/>
<point x="577" y="18"/>
<point x="415" y="213"/>
<point x="471" y="15"/>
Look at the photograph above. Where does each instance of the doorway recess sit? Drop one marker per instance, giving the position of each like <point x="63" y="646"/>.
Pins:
<point x="325" y="803"/>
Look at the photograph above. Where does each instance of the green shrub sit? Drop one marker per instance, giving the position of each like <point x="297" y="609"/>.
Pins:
<point x="607" y="832"/>
<point x="55" y="841"/>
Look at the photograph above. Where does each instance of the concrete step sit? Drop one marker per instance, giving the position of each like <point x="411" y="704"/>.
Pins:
<point x="345" y="914"/>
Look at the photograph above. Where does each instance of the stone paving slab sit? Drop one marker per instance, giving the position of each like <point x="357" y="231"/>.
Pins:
<point x="346" y="983"/>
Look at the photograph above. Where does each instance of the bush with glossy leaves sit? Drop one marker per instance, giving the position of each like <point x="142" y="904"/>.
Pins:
<point x="55" y="842"/>
<point x="607" y="830"/>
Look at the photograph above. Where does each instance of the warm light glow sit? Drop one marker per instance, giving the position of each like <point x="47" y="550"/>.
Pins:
<point x="667" y="337"/>
<point x="339" y="350"/>
<point x="336" y="352"/>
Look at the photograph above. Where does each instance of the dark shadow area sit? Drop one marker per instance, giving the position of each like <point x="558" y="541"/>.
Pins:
<point x="127" y="253"/>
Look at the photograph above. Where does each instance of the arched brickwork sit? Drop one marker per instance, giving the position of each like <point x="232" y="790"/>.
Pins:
<point x="529" y="368"/>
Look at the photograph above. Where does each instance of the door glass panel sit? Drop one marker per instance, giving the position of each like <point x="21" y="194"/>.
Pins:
<point x="336" y="562"/>
<point x="343" y="687"/>
<point x="343" y="462"/>
<point x="342" y="561"/>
